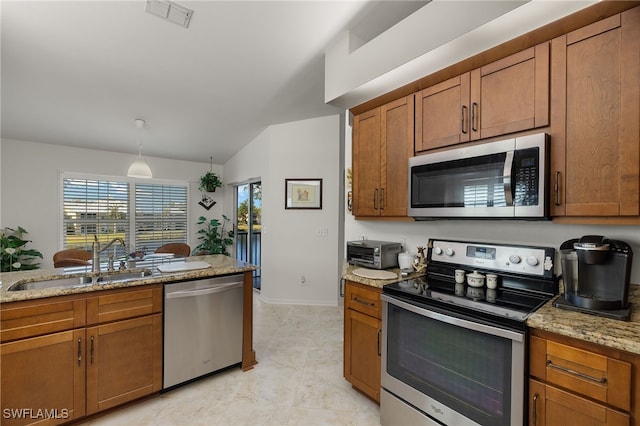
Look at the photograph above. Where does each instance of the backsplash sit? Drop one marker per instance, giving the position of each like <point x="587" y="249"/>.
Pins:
<point x="542" y="233"/>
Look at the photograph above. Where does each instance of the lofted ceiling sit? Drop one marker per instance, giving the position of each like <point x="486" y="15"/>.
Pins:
<point x="79" y="73"/>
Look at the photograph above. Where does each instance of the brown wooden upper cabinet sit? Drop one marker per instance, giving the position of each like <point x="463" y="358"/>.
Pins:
<point x="382" y="145"/>
<point x="595" y="127"/>
<point x="506" y="96"/>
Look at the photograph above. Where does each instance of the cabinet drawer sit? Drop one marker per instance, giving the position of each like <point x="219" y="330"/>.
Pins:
<point x="124" y="304"/>
<point x="22" y="320"/>
<point x="587" y="373"/>
<point x="363" y="298"/>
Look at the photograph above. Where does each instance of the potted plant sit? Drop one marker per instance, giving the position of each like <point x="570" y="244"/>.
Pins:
<point x="209" y="182"/>
<point x="213" y="237"/>
<point x="14" y="256"/>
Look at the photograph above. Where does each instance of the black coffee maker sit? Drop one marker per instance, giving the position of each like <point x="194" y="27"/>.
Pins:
<point x="596" y="273"/>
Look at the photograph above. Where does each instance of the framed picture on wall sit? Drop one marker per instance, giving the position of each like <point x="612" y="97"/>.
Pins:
<point x="303" y="194"/>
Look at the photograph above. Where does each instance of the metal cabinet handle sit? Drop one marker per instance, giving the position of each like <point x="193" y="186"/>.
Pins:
<point x="79" y="352"/>
<point x="556" y="188"/>
<point x="375" y="197"/>
<point x="576" y="373"/>
<point x="534" y="414"/>
<point x="379" y="341"/>
<point x="474" y="116"/>
<point x="463" y="125"/>
<point x="91" y="350"/>
<point x="364" y="302"/>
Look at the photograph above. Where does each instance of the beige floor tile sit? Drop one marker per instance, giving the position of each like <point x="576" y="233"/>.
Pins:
<point x="298" y="381"/>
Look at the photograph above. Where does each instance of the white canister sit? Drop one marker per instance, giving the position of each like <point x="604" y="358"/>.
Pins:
<point x="405" y="260"/>
<point x="475" y="279"/>
<point x="492" y="281"/>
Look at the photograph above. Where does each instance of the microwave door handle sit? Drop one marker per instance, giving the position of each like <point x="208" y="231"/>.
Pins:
<point x="507" y="177"/>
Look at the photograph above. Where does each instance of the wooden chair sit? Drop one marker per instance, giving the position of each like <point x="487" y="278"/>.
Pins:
<point x="180" y="249"/>
<point x="65" y="263"/>
<point x="71" y="257"/>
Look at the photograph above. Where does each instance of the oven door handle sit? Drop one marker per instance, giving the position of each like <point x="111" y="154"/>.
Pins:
<point x="460" y="322"/>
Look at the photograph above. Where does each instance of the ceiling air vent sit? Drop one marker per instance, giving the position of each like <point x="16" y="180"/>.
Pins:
<point x="170" y="11"/>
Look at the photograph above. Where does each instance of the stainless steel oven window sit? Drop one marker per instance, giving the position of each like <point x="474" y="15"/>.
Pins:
<point x="473" y="369"/>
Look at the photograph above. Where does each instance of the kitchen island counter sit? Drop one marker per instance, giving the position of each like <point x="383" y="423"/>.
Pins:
<point x="611" y="333"/>
<point x="220" y="265"/>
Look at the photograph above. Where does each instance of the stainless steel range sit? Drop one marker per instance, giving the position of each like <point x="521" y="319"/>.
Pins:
<point x="454" y="345"/>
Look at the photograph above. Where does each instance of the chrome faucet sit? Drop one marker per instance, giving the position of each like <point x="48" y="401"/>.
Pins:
<point x="97" y="250"/>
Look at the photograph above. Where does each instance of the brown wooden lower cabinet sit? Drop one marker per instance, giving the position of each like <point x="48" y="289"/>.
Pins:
<point x="550" y="406"/>
<point x="124" y="361"/>
<point x="573" y="382"/>
<point x="362" y="338"/>
<point x="51" y="377"/>
<point x="43" y="379"/>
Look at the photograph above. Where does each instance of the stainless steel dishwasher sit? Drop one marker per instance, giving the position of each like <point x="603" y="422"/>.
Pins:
<point x="202" y="327"/>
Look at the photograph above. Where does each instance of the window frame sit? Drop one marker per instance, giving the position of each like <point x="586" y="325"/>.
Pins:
<point x="131" y="182"/>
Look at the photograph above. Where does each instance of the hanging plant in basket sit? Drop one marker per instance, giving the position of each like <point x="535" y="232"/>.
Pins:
<point x="210" y="181"/>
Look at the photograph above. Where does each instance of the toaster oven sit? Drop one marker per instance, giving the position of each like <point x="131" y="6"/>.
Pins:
<point x="373" y="254"/>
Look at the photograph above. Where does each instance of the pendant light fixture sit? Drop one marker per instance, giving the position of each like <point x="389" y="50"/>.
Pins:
<point x="139" y="168"/>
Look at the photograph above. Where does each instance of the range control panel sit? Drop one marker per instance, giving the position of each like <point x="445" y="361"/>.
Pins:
<point x="519" y="259"/>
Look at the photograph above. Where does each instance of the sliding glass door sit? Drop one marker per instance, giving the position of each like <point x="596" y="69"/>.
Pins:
<point x="248" y="225"/>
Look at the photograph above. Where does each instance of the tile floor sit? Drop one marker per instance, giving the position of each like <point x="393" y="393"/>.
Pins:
<point x="298" y="380"/>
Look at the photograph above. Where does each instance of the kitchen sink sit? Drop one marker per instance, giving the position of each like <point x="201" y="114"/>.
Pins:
<point x="122" y="276"/>
<point x="79" y="281"/>
<point x="56" y="282"/>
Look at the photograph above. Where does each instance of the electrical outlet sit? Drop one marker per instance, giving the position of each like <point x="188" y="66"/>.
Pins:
<point x="322" y="232"/>
<point x="303" y="280"/>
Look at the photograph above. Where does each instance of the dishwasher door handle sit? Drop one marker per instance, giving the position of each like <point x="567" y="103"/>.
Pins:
<point x="203" y="291"/>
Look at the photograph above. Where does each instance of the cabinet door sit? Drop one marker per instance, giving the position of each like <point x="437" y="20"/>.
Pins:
<point x="442" y="114"/>
<point x="124" y="361"/>
<point x="43" y="379"/>
<point x="510" y="95"/>
<point x="362" y="346"/>
<point x="595" y="128"/>
<point x="396" y="148"/>
<point x="550" y="406"/>
<point x="366" y="163"/>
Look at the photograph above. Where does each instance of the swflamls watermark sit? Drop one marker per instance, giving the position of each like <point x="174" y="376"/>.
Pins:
<point x="35" y="413"/>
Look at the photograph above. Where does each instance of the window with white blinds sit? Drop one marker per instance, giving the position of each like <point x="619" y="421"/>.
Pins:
<point x="161" y="215"/>
<point x="106" y="208"/>
<point x="95" y="207"/>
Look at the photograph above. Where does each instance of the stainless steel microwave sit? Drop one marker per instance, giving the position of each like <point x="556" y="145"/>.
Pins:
<point x="501" y="179"/>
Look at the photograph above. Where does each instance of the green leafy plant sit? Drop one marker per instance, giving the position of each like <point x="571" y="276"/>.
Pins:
<point x="14" y="255"/>
<point x="213" y="237"/>
<point x="209" y="182"/>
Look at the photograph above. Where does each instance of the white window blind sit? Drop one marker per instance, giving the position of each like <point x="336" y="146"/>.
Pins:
<point x="105" y="208"/>
<point x="161" y="215"/>
<point x="95" y="207"/>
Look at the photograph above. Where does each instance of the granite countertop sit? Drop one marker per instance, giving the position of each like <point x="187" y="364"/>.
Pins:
<point x="220" y="265"/>
<point x="612" y="333"/>
<point x="347" y="274"/>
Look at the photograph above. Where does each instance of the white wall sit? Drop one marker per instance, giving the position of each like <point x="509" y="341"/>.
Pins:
<point x="290" y="248"/>
<point x="425" y="42"/>
<point x="30" y="186"/>
<point x="542" y="233"/>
